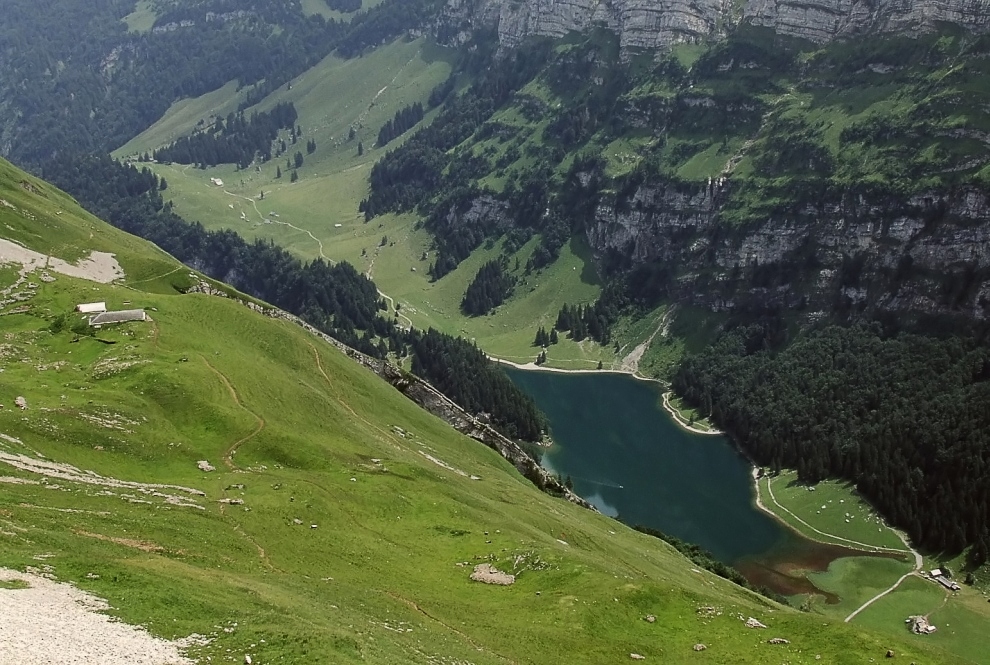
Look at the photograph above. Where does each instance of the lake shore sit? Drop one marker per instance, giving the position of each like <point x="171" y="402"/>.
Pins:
<point x="665" y="397"/>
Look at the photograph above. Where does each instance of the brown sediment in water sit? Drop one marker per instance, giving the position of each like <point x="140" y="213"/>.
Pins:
<point x="784" y="569"/>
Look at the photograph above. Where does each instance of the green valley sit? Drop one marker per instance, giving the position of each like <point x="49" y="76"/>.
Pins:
<point x="339" y="521"/>
<point x="779" y="212"/>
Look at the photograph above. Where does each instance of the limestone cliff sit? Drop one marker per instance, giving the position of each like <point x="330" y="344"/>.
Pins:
<point x="652" y="24"/>
<point x="923" y="256"/>
<point x="639" y="23"/>
<point x="825" y="20"/>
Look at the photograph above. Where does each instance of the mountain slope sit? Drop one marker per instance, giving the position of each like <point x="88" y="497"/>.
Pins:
<point x="338" y="514"/>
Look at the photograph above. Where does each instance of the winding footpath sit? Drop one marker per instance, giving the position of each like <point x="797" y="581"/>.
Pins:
<point x="228" y="455"/>
<point x="319" y="244"/>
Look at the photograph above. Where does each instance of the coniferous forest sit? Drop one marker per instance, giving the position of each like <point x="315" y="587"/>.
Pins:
<point x="236" y="140"/>
<point x="905" y="417"/>
<point x="404" y="120"/>
<point x="489" y="289"/>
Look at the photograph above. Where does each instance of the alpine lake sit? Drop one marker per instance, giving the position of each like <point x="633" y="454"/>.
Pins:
<point x="625" y="454"/>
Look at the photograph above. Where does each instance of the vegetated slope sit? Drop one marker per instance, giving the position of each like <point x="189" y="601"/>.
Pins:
<point x="332" y="297"/>
<point x="752" y="173"/>
<point x="63" y="94"/>
<point x="364" y="95"/>
<point x="340" y="523"/>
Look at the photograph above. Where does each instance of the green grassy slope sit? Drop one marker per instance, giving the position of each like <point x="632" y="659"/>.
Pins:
<point x="299" y="432"/>
<point x="331" y="98"/>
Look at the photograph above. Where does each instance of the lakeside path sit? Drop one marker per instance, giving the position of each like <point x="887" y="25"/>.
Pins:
<point x="865" y="547"/>
<point x="918" y="560"/>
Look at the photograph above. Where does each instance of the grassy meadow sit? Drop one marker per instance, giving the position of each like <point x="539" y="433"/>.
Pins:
<point x="341" y="522"/>
<point x="318" y="215"/>
<point x="836" y="509"/>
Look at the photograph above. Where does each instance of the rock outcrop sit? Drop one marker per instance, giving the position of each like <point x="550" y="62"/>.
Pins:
<point x="927" y="255"/>
<point x="645" y="24"/>
<point x="650" y="24"/>
<point x="825" y="20"/>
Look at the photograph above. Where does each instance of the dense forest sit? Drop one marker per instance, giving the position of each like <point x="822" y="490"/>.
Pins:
<point x="234" y="141"/>
<point x="905" y="417"/>
<point x="333" y="297"/>
<point x="404" y="120"/>
<point x="489" y="288"/>
<point x="92" y="95"/>
<point x="584" y="321"/>
<point x="461" y="368"/>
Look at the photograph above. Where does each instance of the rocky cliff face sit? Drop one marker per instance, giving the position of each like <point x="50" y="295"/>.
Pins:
<point x="639" y="23"/>
<point x="825" y="20"/>
<point x="652" y="24"/>
<point x="926" y="255"/>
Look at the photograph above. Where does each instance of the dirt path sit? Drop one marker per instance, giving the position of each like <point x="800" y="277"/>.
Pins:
<point x="533" y="367"/>
<point x="228" y="460"/>
<point x="323" y="256"/>
<point x="391" y="303"/>
<point x="149" y="279"/>
<point x="865" y="546"/>
<point x="680" y="420"/>
<point x="364" y="114"/>
<point x="228" y="454"/>
<point x="261" y="550"/>
<point x="413" y="605"/>
<point x="918" y="563"/>
<point x="879" y="595"/>
<point x="918" y="559"/>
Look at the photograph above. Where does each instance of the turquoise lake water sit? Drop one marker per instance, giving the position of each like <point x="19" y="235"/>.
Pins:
<point x="626" y="455"/>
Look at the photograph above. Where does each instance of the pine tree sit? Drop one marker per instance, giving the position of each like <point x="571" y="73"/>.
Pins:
<point x="294" y="176"/>
<point x="278" y="172"/>
<point x="360" y="148"/>
<point x="553" y="336"/>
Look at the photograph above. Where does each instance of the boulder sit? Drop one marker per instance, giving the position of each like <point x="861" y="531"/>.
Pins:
<point x="489" y="574"/>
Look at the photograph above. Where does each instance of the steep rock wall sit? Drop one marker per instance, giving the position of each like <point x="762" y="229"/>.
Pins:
<point x="652" y="24"/>
<point x="929" y="254"/>
<point x="639" y="23"/>
<point x="825" y="20"/>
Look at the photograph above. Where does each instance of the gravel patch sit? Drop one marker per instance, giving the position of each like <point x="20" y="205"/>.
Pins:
<point x="97" y="267"/>
<point x="53" y="623"/>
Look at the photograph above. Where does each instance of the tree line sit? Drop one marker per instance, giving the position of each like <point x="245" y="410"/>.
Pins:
<point x="235" y="141"/>
<point x="404" y="120"/>
<point x="906" y="417"/>
<point x="334" y="298"/>
<point x="93" y="94"/>
<point x="490" y="288"/>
